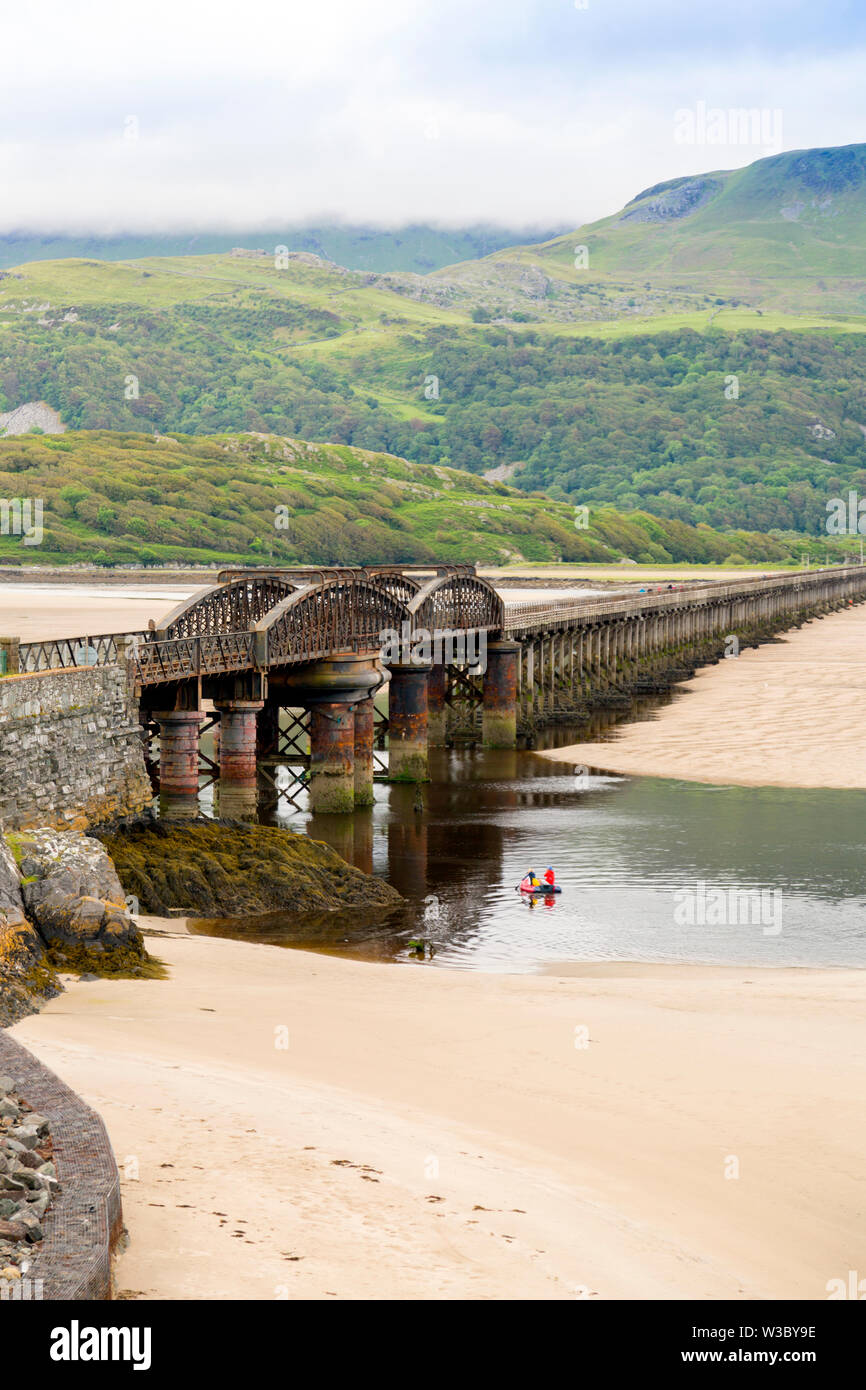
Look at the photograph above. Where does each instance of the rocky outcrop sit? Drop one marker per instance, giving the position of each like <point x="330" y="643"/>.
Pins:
<point x="218" y="869"/>
<point x="673" y="200"/>
<point x="73" y="897"/>
<point x="32" y="415"/>
<point x="61" y="907"/>
<point x="26" y="976"/>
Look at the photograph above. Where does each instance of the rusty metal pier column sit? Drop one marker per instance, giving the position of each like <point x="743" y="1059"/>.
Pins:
<point x="237" y="789"/>
<point x="178" y="762"/>
<point x="407" y="724"/>
<point x="499" y="712"/>
<point x="332" y="758"/>
<point x="364" y="719"/>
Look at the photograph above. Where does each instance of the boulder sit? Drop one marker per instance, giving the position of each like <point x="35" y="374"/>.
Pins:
<point x="73" y="896"/>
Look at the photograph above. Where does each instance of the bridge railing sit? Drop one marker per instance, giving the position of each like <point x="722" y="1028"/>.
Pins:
<point x="179" y="658"/>
<point x="523" y="615"/>
<point x="58" y="653"/>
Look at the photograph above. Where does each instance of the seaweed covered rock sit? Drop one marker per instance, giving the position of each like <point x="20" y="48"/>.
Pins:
<point x="74" y="898"/>
<point x="26" y="976"/>
<point x="223" y="869"/>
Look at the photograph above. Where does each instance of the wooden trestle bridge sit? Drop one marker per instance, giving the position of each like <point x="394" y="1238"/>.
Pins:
<point x="457" y="662"/>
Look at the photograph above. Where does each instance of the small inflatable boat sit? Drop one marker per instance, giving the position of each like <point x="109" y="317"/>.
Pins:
<point x="543" y="889"/>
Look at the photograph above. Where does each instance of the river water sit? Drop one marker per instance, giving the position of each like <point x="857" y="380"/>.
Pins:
<point x="650" y="869"/>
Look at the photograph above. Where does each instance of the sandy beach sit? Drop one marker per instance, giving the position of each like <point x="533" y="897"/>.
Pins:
<point x="36" y="612"/>
<point x="786" y="714"/>
<point x="431" y="1133"/>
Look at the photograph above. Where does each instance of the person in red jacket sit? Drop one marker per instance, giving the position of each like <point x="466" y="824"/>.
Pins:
<point x="550" y="876"/>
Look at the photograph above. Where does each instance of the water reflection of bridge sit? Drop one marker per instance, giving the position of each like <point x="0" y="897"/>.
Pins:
<point x="290" y="662"/>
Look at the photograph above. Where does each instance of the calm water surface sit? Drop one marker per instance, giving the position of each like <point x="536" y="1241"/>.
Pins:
<point x="623" y="850"/>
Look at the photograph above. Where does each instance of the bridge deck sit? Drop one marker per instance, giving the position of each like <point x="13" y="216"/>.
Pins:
<point x="349" y="611"/>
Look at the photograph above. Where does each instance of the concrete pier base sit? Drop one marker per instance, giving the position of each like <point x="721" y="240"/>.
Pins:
<point x="499" y="709"/>
<point x="332" y="758"/>
<point x="407" y="724"/>
<point x="178" y="762"/>
<point x="364" y="719"/>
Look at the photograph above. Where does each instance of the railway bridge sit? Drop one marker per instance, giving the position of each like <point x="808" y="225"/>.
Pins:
<point x="285" y="666"/>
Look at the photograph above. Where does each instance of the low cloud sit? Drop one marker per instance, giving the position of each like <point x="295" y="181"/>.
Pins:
<point x="523" y="112"/>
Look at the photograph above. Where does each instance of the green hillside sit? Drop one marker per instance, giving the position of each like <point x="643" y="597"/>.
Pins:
<point x="138" y="499"/>
<point x="786" y="233"/>
<point x="708" y="366"/>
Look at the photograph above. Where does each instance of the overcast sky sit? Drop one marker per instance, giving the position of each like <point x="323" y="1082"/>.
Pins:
<point x="180" y="113"/>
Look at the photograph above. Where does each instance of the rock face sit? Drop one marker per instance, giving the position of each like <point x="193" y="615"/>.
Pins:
<point x="73" y="896"/>
<point x="226" y="870"/>
<point x="61" y="904"/>
<point x="674" y="200"/>
<point x="32" y="414"/>
<point x="25" y="974"/>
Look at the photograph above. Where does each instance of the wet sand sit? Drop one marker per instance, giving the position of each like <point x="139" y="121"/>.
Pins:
<point x="434" y="1134"/>
<point x="787" y="714"/>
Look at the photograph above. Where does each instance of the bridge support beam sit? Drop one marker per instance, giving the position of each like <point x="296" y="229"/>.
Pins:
<point x="437" y="708"/>
<point x="237" y="789"/>
<point x="364" y="718"/>
<point x="178" y="762"/>
<point x="407" y="724"/>
<point x="332" y="758"/>
<point x="499" y="709"/>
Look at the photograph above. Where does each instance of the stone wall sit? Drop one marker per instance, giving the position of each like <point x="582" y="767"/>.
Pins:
<point x="70" y="749"/>
<point x="85" y="1220"/>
